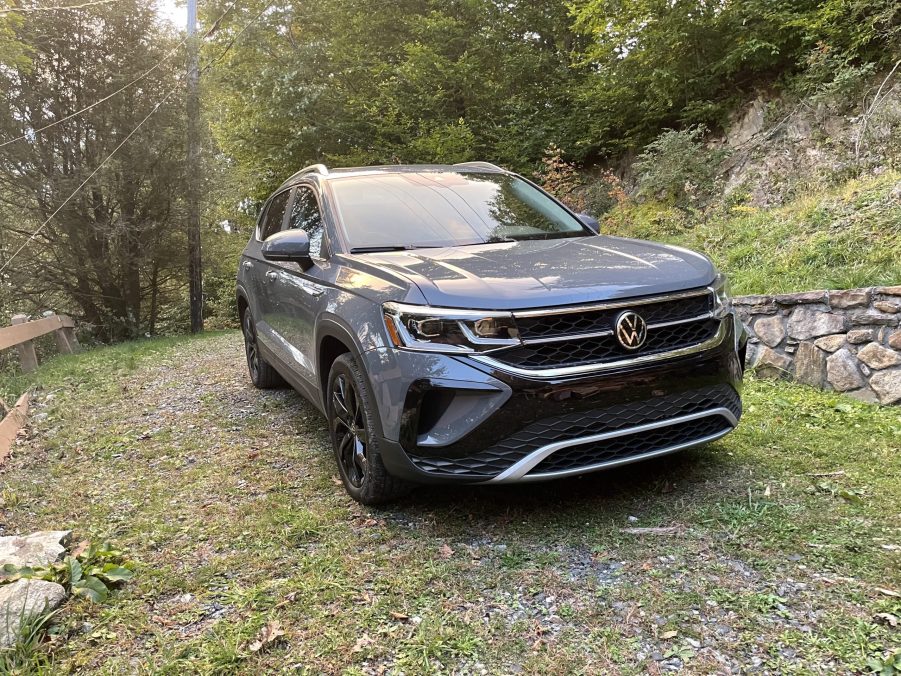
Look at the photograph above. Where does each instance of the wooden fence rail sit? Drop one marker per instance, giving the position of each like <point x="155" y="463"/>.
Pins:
<point x="23" y="332"/>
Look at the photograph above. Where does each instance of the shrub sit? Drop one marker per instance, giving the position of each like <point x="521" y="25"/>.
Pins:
<point x="677" y="167"/>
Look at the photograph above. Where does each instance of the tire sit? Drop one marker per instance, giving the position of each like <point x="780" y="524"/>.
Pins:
<point x="262" y="375"/>
<point x="351" y="417"/>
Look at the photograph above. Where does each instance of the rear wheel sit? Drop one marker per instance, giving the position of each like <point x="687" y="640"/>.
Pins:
<point x="351" y="424"/>
<point x="262" y="375"/>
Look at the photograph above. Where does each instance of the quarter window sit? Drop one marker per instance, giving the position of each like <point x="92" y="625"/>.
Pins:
<point x="305" y="216"/>
<point x="275" y="215"/>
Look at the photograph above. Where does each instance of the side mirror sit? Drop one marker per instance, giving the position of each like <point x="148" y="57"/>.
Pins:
<point x="591" y="222"/>
<point x="288" y="245"/>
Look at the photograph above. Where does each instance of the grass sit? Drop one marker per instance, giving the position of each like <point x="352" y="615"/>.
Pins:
<point x="841" y="238"/>
<point x="226" y="497"/>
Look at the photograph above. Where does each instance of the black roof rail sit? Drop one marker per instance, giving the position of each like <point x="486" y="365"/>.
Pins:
<point x="320" y="169"/>
<point x="479" y="165"/>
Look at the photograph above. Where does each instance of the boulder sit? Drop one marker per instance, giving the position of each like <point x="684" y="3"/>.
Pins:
<point x="842" y="372"/>
<point x="806" y="323"/>
<point x="22" y="601"/>
<point x="769" y="363"/>
<point x="810" y="365"/>
<point x="860" y="336"/>
<point x="894" y="340"/>
<point x="850" y="298"/>
<point x="37" y="549"/>
<point x="830" y="343"/>
<point x="770" y="330"/>
<point x="887" y="384"/>
<point x="877" y="357"/>
<point x="887" y="306"/>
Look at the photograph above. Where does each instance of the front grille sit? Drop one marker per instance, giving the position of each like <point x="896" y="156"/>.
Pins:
<point x="598" y="350"/>
<point x="591" y="321"/>
<point x="500" y="456"/>
<point x="630" y="445"/>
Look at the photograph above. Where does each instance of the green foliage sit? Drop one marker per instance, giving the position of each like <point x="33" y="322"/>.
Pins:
<point x="91" y="573"/>
<point x="885" y="665"/>
<point x="677" y="166"/>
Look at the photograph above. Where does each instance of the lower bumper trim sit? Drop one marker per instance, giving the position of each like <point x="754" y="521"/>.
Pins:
<point x="520" y="471"/>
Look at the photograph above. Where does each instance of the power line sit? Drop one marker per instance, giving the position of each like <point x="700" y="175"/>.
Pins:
<point x="85" y="182"/>
<point x="132" y="133"/>
<point x="121" y="89"/>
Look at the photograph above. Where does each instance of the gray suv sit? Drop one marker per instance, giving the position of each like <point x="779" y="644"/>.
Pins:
<point x="458" y="324"/>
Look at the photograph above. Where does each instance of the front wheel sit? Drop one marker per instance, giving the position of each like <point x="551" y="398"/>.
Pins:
<point x="351" y="425"/>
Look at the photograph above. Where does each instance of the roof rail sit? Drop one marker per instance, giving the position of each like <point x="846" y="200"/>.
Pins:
<point x="479" y="165"/>
<point x="320" y="169"/>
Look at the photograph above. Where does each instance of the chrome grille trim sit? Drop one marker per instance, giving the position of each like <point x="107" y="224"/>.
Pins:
<point x="519" y="471"/>
<point x="612" y="305"/>
<point x="582" y="369"/>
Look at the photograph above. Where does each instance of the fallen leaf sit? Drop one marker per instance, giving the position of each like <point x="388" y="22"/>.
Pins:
<point x="445" y="552"/>
<point x="253" y="455"/>
<point x="80" y="548"/>
<point x="336" y="481"/>
<point x="269" y="634"/>
<point x="889" y="592"/>
<point x="289" y="598"/>
<point x="399" y="616"/>
<point x="669" y="634"/>
<point x="886" y="618"/>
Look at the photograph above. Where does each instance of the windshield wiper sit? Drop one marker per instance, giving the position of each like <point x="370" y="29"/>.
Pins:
<point x="376" y="249"/>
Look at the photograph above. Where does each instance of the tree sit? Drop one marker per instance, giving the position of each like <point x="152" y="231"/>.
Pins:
<point x="110" y="254"/>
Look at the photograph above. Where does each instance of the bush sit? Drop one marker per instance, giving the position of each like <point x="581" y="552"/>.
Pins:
<point x="677" y="167"/>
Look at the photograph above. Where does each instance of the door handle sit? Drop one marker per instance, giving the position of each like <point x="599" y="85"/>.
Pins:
<point x="271" y="275"/>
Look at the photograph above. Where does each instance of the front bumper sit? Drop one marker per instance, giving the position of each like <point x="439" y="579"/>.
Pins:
<point x="448" y="419"/>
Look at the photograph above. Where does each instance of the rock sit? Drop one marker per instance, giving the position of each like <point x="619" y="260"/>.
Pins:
<point x="22" y="601"/>
<point x="830" y="343"/>
<point x="887" y="385"/>
<point x="842" y="373"/>
<point x="888" y="306"/>
<point x="877" y="357"/>
<point x="894" y="340"/>
<point x="850" y="298"/>
<point x="806" y="323"/>
<point x="37" y="549"/>
<point x="864" y="394"/>
<point x="804" y="298"/>
<point x="859" y="336"/>
<point x="810" y="365"/>
<point x="770" y="330"/>
<point x="755" y="305"/>
<point x="875" y="319"/>
<point x="771" y="364"/>
<point x="889" y="290"/>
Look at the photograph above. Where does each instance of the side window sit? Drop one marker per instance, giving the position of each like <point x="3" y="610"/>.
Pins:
<point x="275" y="214"/>
<point x="305" y="215"/>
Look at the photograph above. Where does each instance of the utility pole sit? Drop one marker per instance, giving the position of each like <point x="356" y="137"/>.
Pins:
<point x="195" y="262"/>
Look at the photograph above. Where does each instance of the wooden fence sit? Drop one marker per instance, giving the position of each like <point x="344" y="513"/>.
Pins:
<point x="21" y="335"/>
<point x="23" y="332"/>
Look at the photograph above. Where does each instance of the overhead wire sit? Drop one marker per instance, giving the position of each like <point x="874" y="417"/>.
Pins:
<point x="156" y="107"/>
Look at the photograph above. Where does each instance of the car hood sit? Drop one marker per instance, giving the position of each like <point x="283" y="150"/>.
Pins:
<point x="544" y="273"/>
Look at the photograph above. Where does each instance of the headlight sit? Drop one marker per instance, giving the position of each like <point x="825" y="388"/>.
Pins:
<point x="723" y="294"/>
<point x="448" y="330"/>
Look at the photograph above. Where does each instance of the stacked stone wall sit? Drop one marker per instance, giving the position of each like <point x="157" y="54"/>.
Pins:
<point x="848" y="341"/>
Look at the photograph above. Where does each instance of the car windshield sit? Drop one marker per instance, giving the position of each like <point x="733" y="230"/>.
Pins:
<point x="436" y="209"/>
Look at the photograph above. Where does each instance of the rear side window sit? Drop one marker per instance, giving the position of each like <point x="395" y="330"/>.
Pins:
<point x="305" y="216"/>
<point x="275" y="215"/>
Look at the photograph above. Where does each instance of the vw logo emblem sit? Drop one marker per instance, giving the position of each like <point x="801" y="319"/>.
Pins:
<point x="631" y="330"/>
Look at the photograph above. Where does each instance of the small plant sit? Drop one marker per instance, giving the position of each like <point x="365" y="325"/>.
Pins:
<point x="90" y="572"/>
<point x="888" y="664"/>
<point x="561" y="178"/>
<point x="678" y="167"/>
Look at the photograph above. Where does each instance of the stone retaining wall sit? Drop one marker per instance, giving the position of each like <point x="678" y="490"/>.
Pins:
<point x="849" y="341"/>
